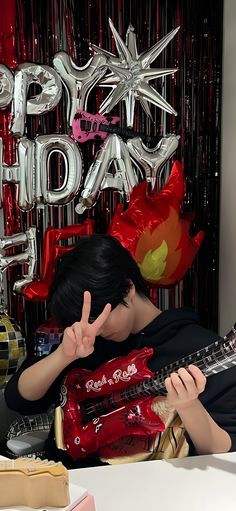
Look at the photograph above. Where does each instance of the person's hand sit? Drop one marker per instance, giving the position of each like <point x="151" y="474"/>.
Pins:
<point x="184" y="387"/>
<point x="78" y="339"/>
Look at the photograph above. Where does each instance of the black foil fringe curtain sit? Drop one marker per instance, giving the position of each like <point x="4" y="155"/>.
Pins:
<point x="43" y="28"/>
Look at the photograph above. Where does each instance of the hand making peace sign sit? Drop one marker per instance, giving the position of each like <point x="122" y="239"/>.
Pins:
<point x="78" y="339"/>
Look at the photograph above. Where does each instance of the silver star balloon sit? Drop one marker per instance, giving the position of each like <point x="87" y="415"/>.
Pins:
<point x="131" y="73"/>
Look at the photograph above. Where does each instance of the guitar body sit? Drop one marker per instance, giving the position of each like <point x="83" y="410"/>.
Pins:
<point x="86" y="126"/>
<point x="82" y="438"/>
<point x="118" y="399"/>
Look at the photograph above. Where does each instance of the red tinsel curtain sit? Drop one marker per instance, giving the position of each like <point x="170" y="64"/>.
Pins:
<point x="33" y="31"/>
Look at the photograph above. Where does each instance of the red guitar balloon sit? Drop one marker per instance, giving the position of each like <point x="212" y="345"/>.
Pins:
<point x="116" y="400"/>
<point x="82" y="437"/>
<point x="86" y="126"/>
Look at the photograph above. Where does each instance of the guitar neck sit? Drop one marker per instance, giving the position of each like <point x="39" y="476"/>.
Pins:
<point x="124" y="132"/>
<point x="218" y="356"/>
<point x="212" y="359"/>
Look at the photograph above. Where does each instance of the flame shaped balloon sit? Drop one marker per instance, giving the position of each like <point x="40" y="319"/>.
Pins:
<point x="156" y="233"/>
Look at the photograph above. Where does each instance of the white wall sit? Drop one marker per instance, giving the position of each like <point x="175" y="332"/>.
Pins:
<point x="227" y="282"/>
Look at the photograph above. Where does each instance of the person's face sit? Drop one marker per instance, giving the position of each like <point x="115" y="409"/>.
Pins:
<point x="120" y="322"/>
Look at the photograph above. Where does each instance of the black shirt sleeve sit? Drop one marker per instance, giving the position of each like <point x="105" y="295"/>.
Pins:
<point x="16" y="402"/>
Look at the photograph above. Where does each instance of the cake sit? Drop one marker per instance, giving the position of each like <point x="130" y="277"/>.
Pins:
<point x="33" y="482"/>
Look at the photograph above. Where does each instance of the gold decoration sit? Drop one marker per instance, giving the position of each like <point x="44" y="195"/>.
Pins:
<point x="12" y="348"/>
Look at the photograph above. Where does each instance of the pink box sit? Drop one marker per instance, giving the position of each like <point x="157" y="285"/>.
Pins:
<point x="86" y="504"/>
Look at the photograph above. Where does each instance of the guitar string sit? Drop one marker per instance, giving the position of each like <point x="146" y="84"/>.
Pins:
<point x="217" y="350"/>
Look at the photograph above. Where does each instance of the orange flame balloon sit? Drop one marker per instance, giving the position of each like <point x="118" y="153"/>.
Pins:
<point x="156" y="233"/>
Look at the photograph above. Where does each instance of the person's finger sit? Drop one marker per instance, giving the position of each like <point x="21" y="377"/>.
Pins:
<point x="69" y="332"/>
<point x="86" y="307"/>
<point x="88" y="341"/>
<point x="69" y="341"/>
<point x="170" y="388"/>
<point x="187" y="379"/>
<point x="178" y="385"/>
<point x="86" y="347"/>
<point x="199" y="378"/>
<point x="77" y="331"/>
<point x="99" y="322"/>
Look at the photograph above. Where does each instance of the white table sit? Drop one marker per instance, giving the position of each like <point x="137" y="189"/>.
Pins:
<point x="202" y="483"/>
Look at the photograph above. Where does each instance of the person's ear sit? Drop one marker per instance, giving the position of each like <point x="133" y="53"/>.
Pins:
<point x="131" y="292"/>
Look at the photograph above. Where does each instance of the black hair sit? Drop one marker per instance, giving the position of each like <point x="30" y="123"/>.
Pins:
<point x="99" y="264"/>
